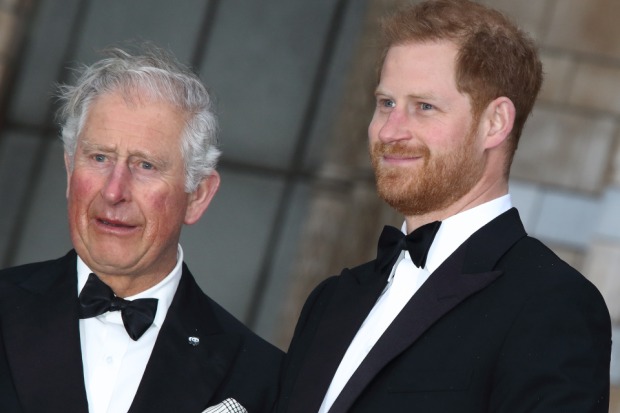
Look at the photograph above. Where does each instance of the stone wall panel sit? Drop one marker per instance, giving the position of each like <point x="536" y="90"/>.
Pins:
<point x="590" y="27"/>
<point x="565" y="149"/>
<point x="530" y="15"/>
<point x="596" y="87"/>
<point x="558" y="71"/>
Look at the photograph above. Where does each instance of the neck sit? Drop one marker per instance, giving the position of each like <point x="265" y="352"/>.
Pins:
<point x="484" y="191"/>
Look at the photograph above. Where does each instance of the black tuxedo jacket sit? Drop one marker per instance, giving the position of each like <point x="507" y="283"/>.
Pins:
<point x="41" y="363"/>
<point x="503" y="325"/>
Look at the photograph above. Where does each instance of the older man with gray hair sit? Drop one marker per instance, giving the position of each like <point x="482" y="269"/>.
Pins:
<point x="119" y="324"/>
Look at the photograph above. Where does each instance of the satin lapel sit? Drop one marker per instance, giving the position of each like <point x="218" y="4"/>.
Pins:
<point x="468" y="270"/>
<point x="42" y="340"/>
<point x="181" y="376"/>
<point x="350" y="303"/>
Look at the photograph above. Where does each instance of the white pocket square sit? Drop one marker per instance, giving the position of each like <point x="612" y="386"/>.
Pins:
<point x="227" y="406"/>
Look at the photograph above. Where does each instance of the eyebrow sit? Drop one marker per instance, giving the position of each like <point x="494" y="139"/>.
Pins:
<point x="93" y="147"/>
<point x="422" y="96"/>
<point x="90" y="147"/>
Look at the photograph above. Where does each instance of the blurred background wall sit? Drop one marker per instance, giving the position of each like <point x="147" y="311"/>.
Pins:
<point x="293" y="82"/>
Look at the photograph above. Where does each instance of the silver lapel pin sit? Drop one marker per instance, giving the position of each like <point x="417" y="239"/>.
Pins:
<point x="194" y="341"/>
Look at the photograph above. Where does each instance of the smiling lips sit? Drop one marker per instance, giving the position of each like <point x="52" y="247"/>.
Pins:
<point x="398" y="158"/>
<point x="399" y="152"/>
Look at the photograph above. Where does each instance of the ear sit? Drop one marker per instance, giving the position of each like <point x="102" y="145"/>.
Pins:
<point x="200" y="199"/>
<point x="69" y="171"/>
<point x="500" y="117"/>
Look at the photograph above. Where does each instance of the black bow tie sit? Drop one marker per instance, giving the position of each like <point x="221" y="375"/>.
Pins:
<point x="97" y="298"/>
<point x="392" y="241"/>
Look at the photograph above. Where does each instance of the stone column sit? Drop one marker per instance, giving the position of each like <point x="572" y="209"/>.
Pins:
<point x="13" y="15"/>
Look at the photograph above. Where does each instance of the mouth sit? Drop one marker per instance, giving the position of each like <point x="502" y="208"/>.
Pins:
<point x="400" y="159"/>
<point x="399" y="154"/>
<point x="396" y="158"/>
<point x="113" y="224"/>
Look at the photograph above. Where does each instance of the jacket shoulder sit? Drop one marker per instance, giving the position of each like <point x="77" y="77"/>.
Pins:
<point x="35" y="277"/>
<point x="533" y="272"/>
<point x="18" y="272"/>
<point x="536" y="262"/>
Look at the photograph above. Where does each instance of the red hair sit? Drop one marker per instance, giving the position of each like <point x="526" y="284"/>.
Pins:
<point x="495" y="57"/>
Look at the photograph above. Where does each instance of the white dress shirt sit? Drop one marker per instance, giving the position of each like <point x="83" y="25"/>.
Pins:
<point x="113" y="362"/>
<point x="403" y="282"/>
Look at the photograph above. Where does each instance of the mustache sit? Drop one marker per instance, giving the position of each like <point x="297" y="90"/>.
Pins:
<point x="399" y="149"/>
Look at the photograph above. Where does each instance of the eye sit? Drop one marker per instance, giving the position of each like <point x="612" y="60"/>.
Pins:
<point x="387" y="103"/>
<point x="147" y="165"/>
<point x="426" y="106"/>
<point x="99" y="158"/>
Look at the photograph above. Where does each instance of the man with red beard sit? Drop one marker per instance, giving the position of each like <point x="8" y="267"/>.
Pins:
<point x="119" y="324"/>
<point x="466" y="313"/>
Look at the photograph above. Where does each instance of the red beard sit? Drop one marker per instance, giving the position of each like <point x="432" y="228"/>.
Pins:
<point x="434" y="183"/>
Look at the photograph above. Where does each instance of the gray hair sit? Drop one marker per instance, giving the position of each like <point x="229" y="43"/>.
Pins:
<point x="157" y="75"/>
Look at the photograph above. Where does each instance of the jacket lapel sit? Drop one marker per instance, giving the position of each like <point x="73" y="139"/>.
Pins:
<point x="180" y="369"/>
<point x="352" y="299"/>
<point x="468" y="270"/>
<point x="42" y="339"/>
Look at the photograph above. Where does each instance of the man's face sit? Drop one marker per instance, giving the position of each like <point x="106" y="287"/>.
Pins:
<point x="423" y="141"/>
<point x="126" y="196"/>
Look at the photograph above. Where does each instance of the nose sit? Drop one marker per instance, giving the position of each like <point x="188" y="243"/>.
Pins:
<point x="391" y="127"/>
<point x="117" y="185"/>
